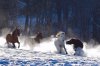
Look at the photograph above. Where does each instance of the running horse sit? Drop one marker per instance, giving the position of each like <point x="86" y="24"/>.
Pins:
<point x="13" y="38"/>
<point x="38" y="37"/>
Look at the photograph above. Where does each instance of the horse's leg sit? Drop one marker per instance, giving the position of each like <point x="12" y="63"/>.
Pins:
<point x="14" y="45"/>
<point x="19" y="44"/>
<point x="60" y="49"/>
<point x="65" y="50"/>
<point x="7" y="44"/>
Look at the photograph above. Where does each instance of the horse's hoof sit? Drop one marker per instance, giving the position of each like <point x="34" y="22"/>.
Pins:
<point x="66" y="53"/>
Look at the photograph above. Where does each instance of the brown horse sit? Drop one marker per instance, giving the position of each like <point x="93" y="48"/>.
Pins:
<point x="32" y="41"/>
<point x="38" y="37"/>
<point x="13" y="38"/>
<point x="76" y="43"/>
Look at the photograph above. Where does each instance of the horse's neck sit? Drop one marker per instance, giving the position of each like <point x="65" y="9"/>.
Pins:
<point x="60" y="39"/>
<point x="14" y="34"/>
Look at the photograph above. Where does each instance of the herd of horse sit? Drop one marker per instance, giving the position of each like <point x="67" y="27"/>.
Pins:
<point x="13" y="38"/>
<point x="59" y="42"/>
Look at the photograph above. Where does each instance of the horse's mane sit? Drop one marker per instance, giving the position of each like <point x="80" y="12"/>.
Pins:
<point x="59" y="33"/>
<point x="15" y="31"/>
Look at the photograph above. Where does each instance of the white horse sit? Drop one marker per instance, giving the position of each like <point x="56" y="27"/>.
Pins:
<point x="59" y="42"/>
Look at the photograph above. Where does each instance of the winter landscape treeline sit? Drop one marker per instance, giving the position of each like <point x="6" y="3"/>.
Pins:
<point x="78" y="18"/>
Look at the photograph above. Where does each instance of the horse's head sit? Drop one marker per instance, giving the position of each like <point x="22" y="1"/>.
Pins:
<point x="39" y="35"/>
<point x="71" y="41"/>
<point x="60" y="35"/>
<point x="16" y="32"/>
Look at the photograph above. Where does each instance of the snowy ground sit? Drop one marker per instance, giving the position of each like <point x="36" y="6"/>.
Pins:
<point x="43" y="55"/>
<point x="24" y="57"/>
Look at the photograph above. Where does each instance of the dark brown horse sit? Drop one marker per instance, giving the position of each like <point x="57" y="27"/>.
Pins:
<point x="76" y="42"/>
<point x="77" y="46"/>
<point x="38" y="37"/>
<point x="13" y="38"/>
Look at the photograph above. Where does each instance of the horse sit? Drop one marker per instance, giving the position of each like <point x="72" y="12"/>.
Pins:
<point x="38" y="37"/>
<point x="32" y="41"/>
<point x="13" y="38"/>
<point x="77" y="46"/>
<point x="59" y="42"/>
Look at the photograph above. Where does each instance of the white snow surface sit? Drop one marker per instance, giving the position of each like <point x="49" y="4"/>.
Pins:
<point x="43" y="54"/>
<point x="33" y="58"/>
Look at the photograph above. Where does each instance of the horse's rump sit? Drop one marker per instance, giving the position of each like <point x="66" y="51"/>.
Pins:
<point x="9" y="38"/>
